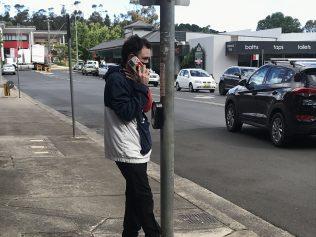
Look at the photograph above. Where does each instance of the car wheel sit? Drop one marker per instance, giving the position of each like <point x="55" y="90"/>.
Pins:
<point x="178" y="88"/>
<point x="232" y="121"/>
<point x="212" y="91"/>
<point x="221" y="88"/>
<point x="191" y="88"/>
<point x="279" y="131"/>
<point x="82" y="73"/>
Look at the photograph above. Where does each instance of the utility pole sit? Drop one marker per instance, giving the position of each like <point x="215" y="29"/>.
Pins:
<point x="167" y="41"/>
<point x="17" y="57"/>
<point x="167" y="56"/>
<point x="77" y="53"/>
<point x="70" y="77"/>
<point x="1" y="54"/>
<point x="48" y="28"/>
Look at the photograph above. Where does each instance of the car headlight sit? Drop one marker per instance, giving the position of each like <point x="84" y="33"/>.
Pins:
<point x="197" y="81"/>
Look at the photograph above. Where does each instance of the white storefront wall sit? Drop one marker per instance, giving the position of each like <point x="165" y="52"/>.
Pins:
<point x="214" y="45"/>
<point x="215" y="59"/>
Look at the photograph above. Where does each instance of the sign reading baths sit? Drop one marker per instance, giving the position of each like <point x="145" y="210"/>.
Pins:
<point x="271" y="47"/>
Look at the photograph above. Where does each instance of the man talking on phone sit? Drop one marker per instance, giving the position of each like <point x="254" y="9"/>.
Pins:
<point x="127" y="137"/>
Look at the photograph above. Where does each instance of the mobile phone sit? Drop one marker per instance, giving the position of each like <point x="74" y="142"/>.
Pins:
<point x="135" y="64"/>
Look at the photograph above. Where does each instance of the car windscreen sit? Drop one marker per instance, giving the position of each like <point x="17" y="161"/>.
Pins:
<point x="247" y="72"/>
<point x="199" y="73"/>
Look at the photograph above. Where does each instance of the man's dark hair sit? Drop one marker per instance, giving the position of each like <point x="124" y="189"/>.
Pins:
<point x="133" y="45"/>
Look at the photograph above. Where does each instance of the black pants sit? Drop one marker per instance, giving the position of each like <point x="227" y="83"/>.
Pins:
<point x="139" y="203"/>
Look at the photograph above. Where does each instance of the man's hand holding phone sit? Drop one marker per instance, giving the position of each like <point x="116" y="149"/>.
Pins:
<point x="141" y="73"/>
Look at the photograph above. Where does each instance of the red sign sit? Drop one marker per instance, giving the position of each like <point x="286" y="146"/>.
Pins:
<point x="15" y="44"/>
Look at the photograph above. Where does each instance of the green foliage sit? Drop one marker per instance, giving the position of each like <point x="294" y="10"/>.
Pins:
<point x="194" y="28"/>
<point x="60" y="52"/>
<point x="310" y="26"/>
<point x="90" y="35"/>
<point x="287" y="23"/>
<point x="188" y="60"/>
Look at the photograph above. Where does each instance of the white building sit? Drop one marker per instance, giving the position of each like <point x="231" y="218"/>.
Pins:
<point x="240" y="47"/>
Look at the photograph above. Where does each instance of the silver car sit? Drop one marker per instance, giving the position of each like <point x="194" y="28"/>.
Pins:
<point x="8" y="69"/>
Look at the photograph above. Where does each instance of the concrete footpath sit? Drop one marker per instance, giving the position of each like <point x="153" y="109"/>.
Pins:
<point x="53" y="185"/>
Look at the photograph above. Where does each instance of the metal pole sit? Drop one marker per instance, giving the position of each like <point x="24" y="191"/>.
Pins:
<point x="70" y="77"/>
<point x="262" y="55"/>
<point x="167" y="40"/>
<point x="48" y="28"/>
<point x="77" y="54"/>
<point x="17" y="58"/>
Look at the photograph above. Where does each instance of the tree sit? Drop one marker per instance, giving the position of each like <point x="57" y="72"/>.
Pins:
<point x="6" y="17"/>
<point x="38" y="19"/>
<point x="107" y="20"/>
<point x="287" y="23"/>
<point x="95" y="18"/>
<point x="188" y="60"/>
<point x="142" y="13"/>
<point x="310" y="26"/>
<point x="63" y="11"/>
<point x="194" y="28"/>
<point x="90" y="35"/>
<point x="22" y="17"/>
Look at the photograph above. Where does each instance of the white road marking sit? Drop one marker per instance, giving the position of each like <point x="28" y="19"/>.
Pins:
<point x="41" y="152"/>
<point x="45" y="73"/>
<point x="37" y="140"/>
<point x="197" y="101"/>
<point x="204" y="97"/>
<point x="37" y="147"/>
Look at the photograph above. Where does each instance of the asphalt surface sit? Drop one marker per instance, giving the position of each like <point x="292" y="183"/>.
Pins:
<point x="278" y="185"/>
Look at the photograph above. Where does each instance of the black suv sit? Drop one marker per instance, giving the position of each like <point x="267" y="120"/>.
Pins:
<point x="232" y="76"/>
<point x="279" y="97"/>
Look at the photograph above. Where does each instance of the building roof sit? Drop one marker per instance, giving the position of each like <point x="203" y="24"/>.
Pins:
<point x="108" y="45"/>
<point x="153" y="37"/>
<point x="54" y="32"/>
<point x="139" y="25"/>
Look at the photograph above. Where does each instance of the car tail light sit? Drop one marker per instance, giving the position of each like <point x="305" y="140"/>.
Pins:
<point x="304" y="91"/>
<point x="305" y="118"/>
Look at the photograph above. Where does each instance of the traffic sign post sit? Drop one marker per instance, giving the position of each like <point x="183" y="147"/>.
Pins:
<point x="167" y="54"/>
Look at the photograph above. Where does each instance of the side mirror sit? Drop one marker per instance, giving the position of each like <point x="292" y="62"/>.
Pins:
<point x="242" y="82"/>
<point x="238" y="75"/>
<point x="297" y="77"/>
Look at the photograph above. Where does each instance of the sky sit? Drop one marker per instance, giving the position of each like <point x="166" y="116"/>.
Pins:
<point x="221" y="15"/>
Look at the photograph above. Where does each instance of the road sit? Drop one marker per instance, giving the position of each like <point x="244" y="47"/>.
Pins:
<point x="278" y="185"/>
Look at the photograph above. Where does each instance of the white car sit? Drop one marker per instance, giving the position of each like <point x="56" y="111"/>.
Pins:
<point x="154" y="78"/>
<point x="103" y="69"/>
<point x="195" y="79"/>
<point x="8" y="69"/>
<point x="93" y="63"/>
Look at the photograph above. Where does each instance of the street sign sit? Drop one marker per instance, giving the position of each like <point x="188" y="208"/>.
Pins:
<point x="157" y="2"/>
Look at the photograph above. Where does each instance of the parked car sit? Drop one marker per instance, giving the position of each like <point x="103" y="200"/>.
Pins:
<point x="195" y="79"/>
<point x="105" y="67"/>
<point x="154" y="78"/>
<point x="78" y="66"/>
<point x="93" y="63"/>
<point x="8" y="69"/>
<point x="279" y="98"/>
<point x="232" y="76"/>
<point x="89" y="69"/>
